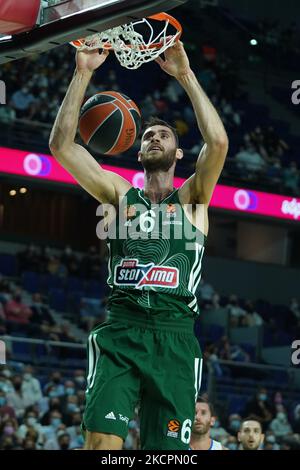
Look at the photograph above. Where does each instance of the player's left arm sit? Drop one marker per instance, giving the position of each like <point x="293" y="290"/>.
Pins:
<point x="212" y="156"/>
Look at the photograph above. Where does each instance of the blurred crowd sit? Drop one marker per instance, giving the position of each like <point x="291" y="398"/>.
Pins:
<point x="45" y="260"/>
<point x="263" y="155"/>
<point x="37" y="85"/>
<point x="39" y="411"/>
<point x="30" y="315"/>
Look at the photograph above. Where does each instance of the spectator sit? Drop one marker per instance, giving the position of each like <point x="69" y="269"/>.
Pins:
<point x="8" y="438"/>
<point x="281" y="426"/>
<point x="56" y="268"/>
<point x="16" y="311"/>
<point x="250" y="161"/>
<point x="74" y="431"/>
<point x="40" y="311"/>
<point x="217" y="432"/>
<point x="236" y="313"/>
<point x="19" y="399"/>
<point x="22" y="101"/>
<point x="260" y="408"/>
<point x="7" y="114"/>
<point x="296" y="419"/>
<point x="55" y="424"/>
<point x="234" y="423"/>
<point x="31" y="422"/>
<point x="29" y="259"/>
<point x="230" y="352"/>
<point x="55" y="387"/>
<point x="291" y="178"/>
<point x="79" y="379"/>
<point x="252" y="318"/>
<point x="63" y="440"/>
<point x="31" y="386"/>
<point x="6" y="411"/>
<point x="132" y="440"/>
<point x="205" y="292"/>
<point x="274" y="172"/>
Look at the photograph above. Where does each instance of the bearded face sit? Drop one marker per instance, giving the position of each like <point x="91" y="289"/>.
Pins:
<point x="203" y="419"/>
<point x="158" y="149"/>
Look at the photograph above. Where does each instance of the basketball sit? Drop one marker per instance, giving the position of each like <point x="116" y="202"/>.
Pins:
<point x="109" y="122"/>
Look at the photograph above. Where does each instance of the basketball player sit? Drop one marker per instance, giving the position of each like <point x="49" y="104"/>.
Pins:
<point x="204" y="420"/>
<point x="250" y="434"/>
<point x="146" y="352"/>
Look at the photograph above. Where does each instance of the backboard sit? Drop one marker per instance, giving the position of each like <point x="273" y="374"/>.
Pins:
<point x="61" y="21"/>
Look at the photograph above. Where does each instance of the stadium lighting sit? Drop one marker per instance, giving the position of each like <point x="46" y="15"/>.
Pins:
<point x="253" y="42"/>
<point x="23" y="190"/>
<point x="12" y="192"/>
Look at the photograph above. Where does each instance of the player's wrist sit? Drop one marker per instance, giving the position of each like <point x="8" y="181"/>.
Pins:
<point x="185" y="74"/>
<point x="84" y="72"/>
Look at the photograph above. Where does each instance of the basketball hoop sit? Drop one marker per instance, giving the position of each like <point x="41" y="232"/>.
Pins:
<point x="131" y="47"/>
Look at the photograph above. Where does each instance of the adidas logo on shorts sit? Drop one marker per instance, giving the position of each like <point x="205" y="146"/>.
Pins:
<point x="110" y="415"/>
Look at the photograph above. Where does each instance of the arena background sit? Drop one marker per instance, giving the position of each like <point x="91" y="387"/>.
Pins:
<point x="53" y="266"/>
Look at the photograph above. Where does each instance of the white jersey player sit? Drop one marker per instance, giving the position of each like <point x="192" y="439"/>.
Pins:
<point x="204" y="420"/>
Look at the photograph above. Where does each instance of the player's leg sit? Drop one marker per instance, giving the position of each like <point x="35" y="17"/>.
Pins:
<point x="112" y="389"/>
<point x="100" y="441"/>
<point x="169" y="393"/>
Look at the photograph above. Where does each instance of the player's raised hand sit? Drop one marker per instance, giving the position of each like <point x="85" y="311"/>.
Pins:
<point x="176" y="61"/>
<point x="90" y="60"/>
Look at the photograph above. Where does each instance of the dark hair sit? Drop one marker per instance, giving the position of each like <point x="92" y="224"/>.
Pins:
<point x="252" y="418"/>
<point x="154" y="121"/>
<point x="202" y="399"/>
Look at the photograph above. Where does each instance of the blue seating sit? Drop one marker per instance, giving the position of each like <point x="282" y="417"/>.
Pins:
<point x="31" y="281"/>
<point x="57" y="299"/>
<point x="8" y="264"/>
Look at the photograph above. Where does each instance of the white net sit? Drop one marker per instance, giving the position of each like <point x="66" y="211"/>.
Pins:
<point x="131" y="48"/>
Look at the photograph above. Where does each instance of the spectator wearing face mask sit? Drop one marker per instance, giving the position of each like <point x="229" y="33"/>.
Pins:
<point x="54" y="404"/>
<point x="270" y="442"/>
<point x="260" y="408"/>
<point x="217" y="432"/>
<point x="70" y="407"/>
<point x="5" y="383"/>
<point x="6" y="411"/>
<point x="31" y="386"/>
<point x="19" y="399"/>
<point x="234" y="423"/>
<point x="55" y="425"/>
<point x="55" y="387"/>
<point x="74" y="431"/>
<point x="8" y="428"/>
<point x="30" y="422"/>
<point x="231" y="443"/>
<point x="281" y="426"/>
<point x="79" y="379"/>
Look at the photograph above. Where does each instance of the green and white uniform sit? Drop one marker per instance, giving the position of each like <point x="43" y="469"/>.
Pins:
<point x="147" y="353"/>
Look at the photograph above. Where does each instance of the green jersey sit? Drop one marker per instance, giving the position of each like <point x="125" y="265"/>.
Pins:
<point x="155" y="258"/>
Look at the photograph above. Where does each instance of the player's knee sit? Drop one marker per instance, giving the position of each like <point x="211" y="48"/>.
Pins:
<point x="99" y="441"/>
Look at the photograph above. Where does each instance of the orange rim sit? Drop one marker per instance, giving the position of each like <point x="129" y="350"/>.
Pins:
<point x="158" y="17"/>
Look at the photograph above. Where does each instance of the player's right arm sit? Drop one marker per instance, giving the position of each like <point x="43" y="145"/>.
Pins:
<point x="105" y="186"/>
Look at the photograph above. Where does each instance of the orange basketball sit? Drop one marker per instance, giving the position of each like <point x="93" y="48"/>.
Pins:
<point x="109" y="122"/>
